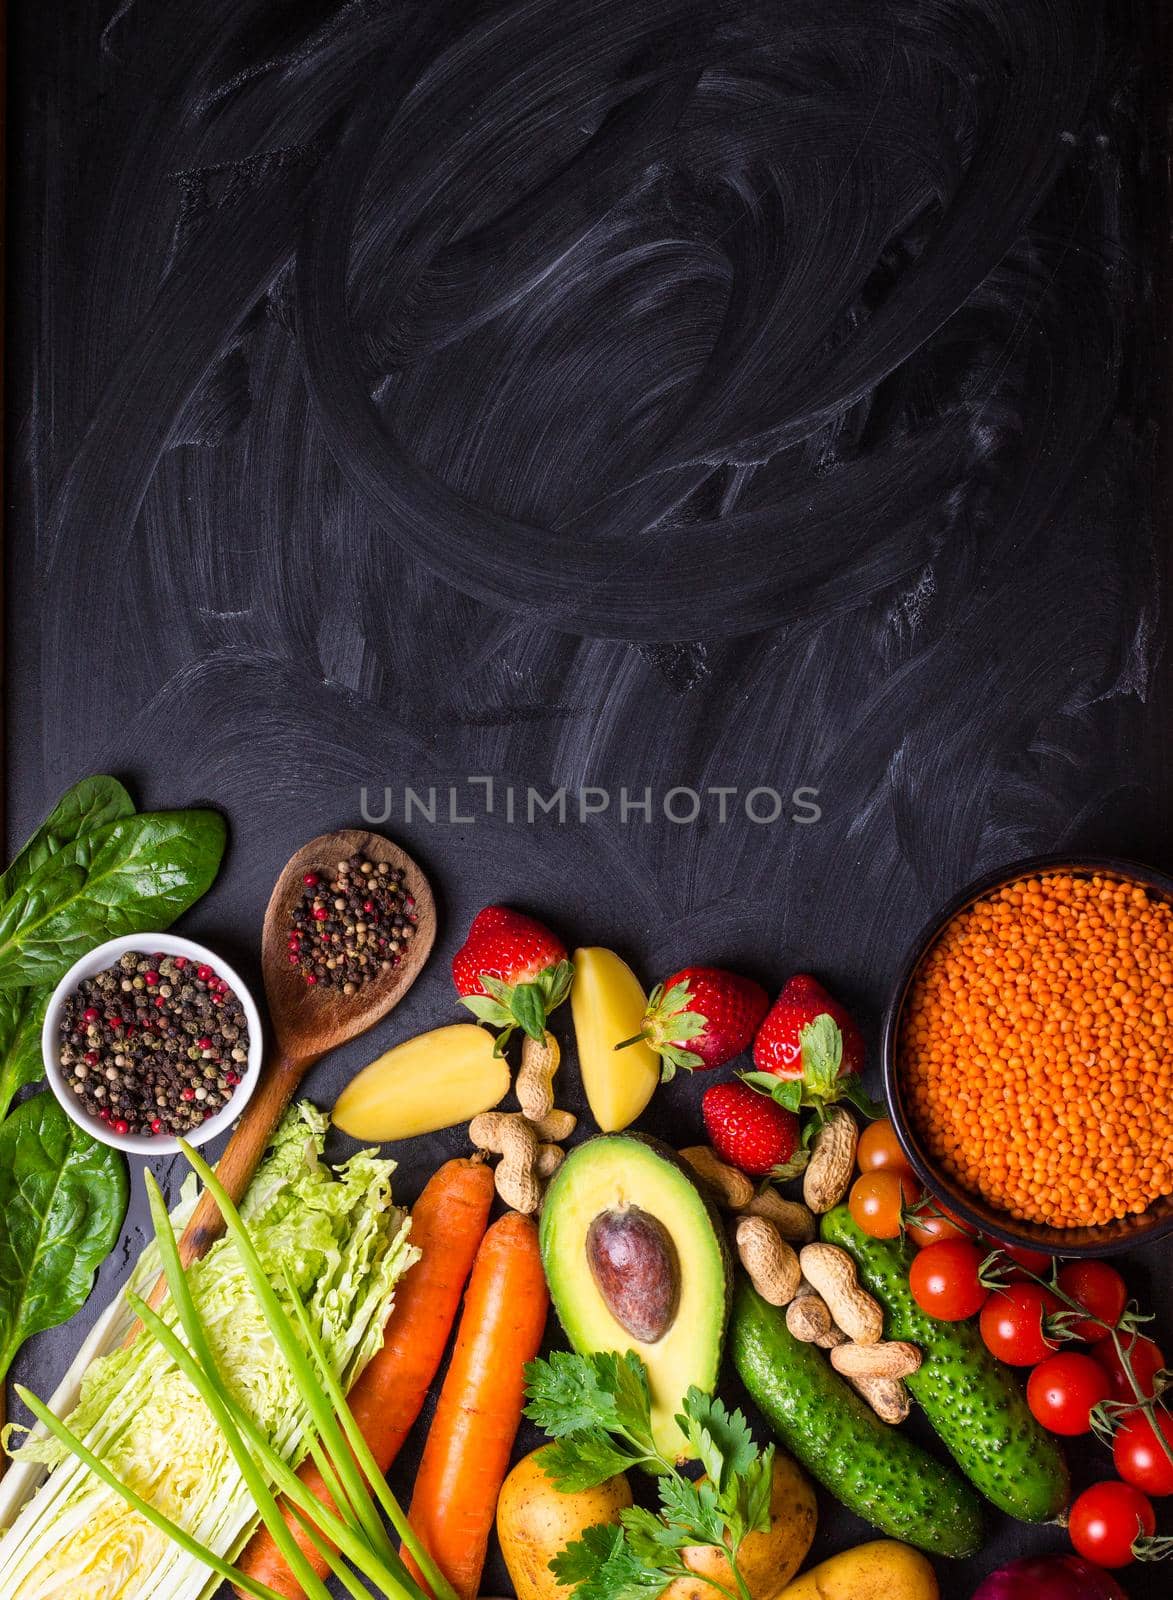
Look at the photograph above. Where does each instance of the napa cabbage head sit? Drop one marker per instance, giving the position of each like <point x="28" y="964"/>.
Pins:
<point x="345" y="1244"/>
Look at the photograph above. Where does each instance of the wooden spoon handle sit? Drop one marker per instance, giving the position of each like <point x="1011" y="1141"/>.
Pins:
<point x="242" y="1155"/>
<point x="243" y="1152"/>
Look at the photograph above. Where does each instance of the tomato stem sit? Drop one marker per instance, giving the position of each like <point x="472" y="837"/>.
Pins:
<point x="1146" y="1404"/>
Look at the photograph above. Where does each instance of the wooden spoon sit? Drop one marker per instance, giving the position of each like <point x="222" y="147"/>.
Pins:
<point x="307" y="1020"/>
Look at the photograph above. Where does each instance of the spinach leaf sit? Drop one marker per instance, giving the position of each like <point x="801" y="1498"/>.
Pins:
<point x="22" y="1014"/>
<point x="128" y="876"/>
<point x="62" y="1200"/>
<point x="89" y="805"/>
<point x="93" y="803"/>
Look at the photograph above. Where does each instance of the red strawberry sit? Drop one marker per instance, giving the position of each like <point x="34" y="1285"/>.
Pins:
<point x="749" y="1131"/>
<point x="702" y="1017"/>
<point x="808" y="1051"/>
<point x="511" y="972"/>
<point x="778" y="1046"/>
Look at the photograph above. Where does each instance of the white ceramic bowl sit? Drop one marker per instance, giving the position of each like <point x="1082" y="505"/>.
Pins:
<point x="107" y="955"/>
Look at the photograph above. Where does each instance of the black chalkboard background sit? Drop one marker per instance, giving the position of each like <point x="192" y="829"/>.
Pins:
<point x="610" y="396"/>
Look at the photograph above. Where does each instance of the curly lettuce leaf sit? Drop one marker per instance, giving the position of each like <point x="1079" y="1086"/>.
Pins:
<point x="346" y="1245"/>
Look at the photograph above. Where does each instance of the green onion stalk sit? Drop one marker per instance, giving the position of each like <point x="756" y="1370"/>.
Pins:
<point x="351" y="1539"/>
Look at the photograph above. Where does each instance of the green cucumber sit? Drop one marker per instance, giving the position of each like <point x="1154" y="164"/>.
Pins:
<point x="976" y="1404"/>
<point x="875" y="1470"/>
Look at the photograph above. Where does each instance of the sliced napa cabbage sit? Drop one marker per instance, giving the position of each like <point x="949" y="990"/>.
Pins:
<point x="346" y="1245"/>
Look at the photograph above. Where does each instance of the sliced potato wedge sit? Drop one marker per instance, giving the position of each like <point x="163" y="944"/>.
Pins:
<point x="433" y="1081"/>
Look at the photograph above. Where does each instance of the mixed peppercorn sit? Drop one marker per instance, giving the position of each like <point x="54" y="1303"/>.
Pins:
<point x="154" y="1045"/>
<point x="352" y="923"/>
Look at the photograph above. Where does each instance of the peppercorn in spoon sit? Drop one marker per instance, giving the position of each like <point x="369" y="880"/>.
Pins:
<point x="349" y="926"/>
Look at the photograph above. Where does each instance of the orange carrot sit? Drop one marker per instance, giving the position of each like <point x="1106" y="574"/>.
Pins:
<point x="467" y="1454"/>
<point x="447" y="1224"/>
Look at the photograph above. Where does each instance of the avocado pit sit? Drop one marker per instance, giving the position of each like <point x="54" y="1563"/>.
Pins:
<point x="636" y="1269"/>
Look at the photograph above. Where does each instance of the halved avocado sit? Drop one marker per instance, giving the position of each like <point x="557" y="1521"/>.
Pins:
<point x="621" y="1218"/>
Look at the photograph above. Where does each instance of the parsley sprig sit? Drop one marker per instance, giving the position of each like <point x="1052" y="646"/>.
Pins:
<point x="597" y="1410"/>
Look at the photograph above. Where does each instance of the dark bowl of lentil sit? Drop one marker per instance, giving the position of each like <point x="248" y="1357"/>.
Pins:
<point x="1027" y="1055"/>
<point x="152" y="1029"/>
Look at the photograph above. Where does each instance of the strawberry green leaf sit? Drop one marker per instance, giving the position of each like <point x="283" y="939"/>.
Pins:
<point x="667" y="1025"/>
<point x="529" y="1010"/>
<point x="487" y="1010"/>
<point x="786" y="1092"/>
<point x="554" y="983"/>
<point x="672" y="1057"/>
<point x="792" y="1168"/>
<point x="789" y="1094"/>
<point x="764" y="1082"/>
<point x="685" y="1025"/>
<point x="671" y="1011"/>
<point x="670" y="1001"/>
<point x="821" y="1084"/>
<point x="821" y="1045"/>
<point x="852" y="1090"/>
<point x="520" y="1005"/>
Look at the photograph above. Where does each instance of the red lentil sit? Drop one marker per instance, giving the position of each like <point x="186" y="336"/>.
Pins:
<point x="1037" y="1050"/>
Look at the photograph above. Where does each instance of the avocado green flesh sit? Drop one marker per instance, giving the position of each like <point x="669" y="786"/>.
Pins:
<point x="621" y="1170"/>
<point x="976" y="1404"/>
<point x="873" y="1469"/>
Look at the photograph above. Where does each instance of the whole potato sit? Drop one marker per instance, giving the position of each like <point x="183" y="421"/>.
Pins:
<point x="767" y="1560"/>
<point x="881" y="1570"/>
<point x="535" y="1521"/>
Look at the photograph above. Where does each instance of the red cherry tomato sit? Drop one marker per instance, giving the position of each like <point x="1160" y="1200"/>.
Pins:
<point x="1098" y="1288"/>
<point x="1139" y="1455"/>
<point x="932" y="1221"/>
<point x="1062" y="1390"/>
<point x="944" y="1281"/>
<point x="1012" y="1324"/>
<point x="1146" y="1358"/>
<point x="1107" y="1519"/>
<point x="877" y="1201"/>
<point x="879" y="1150"/>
